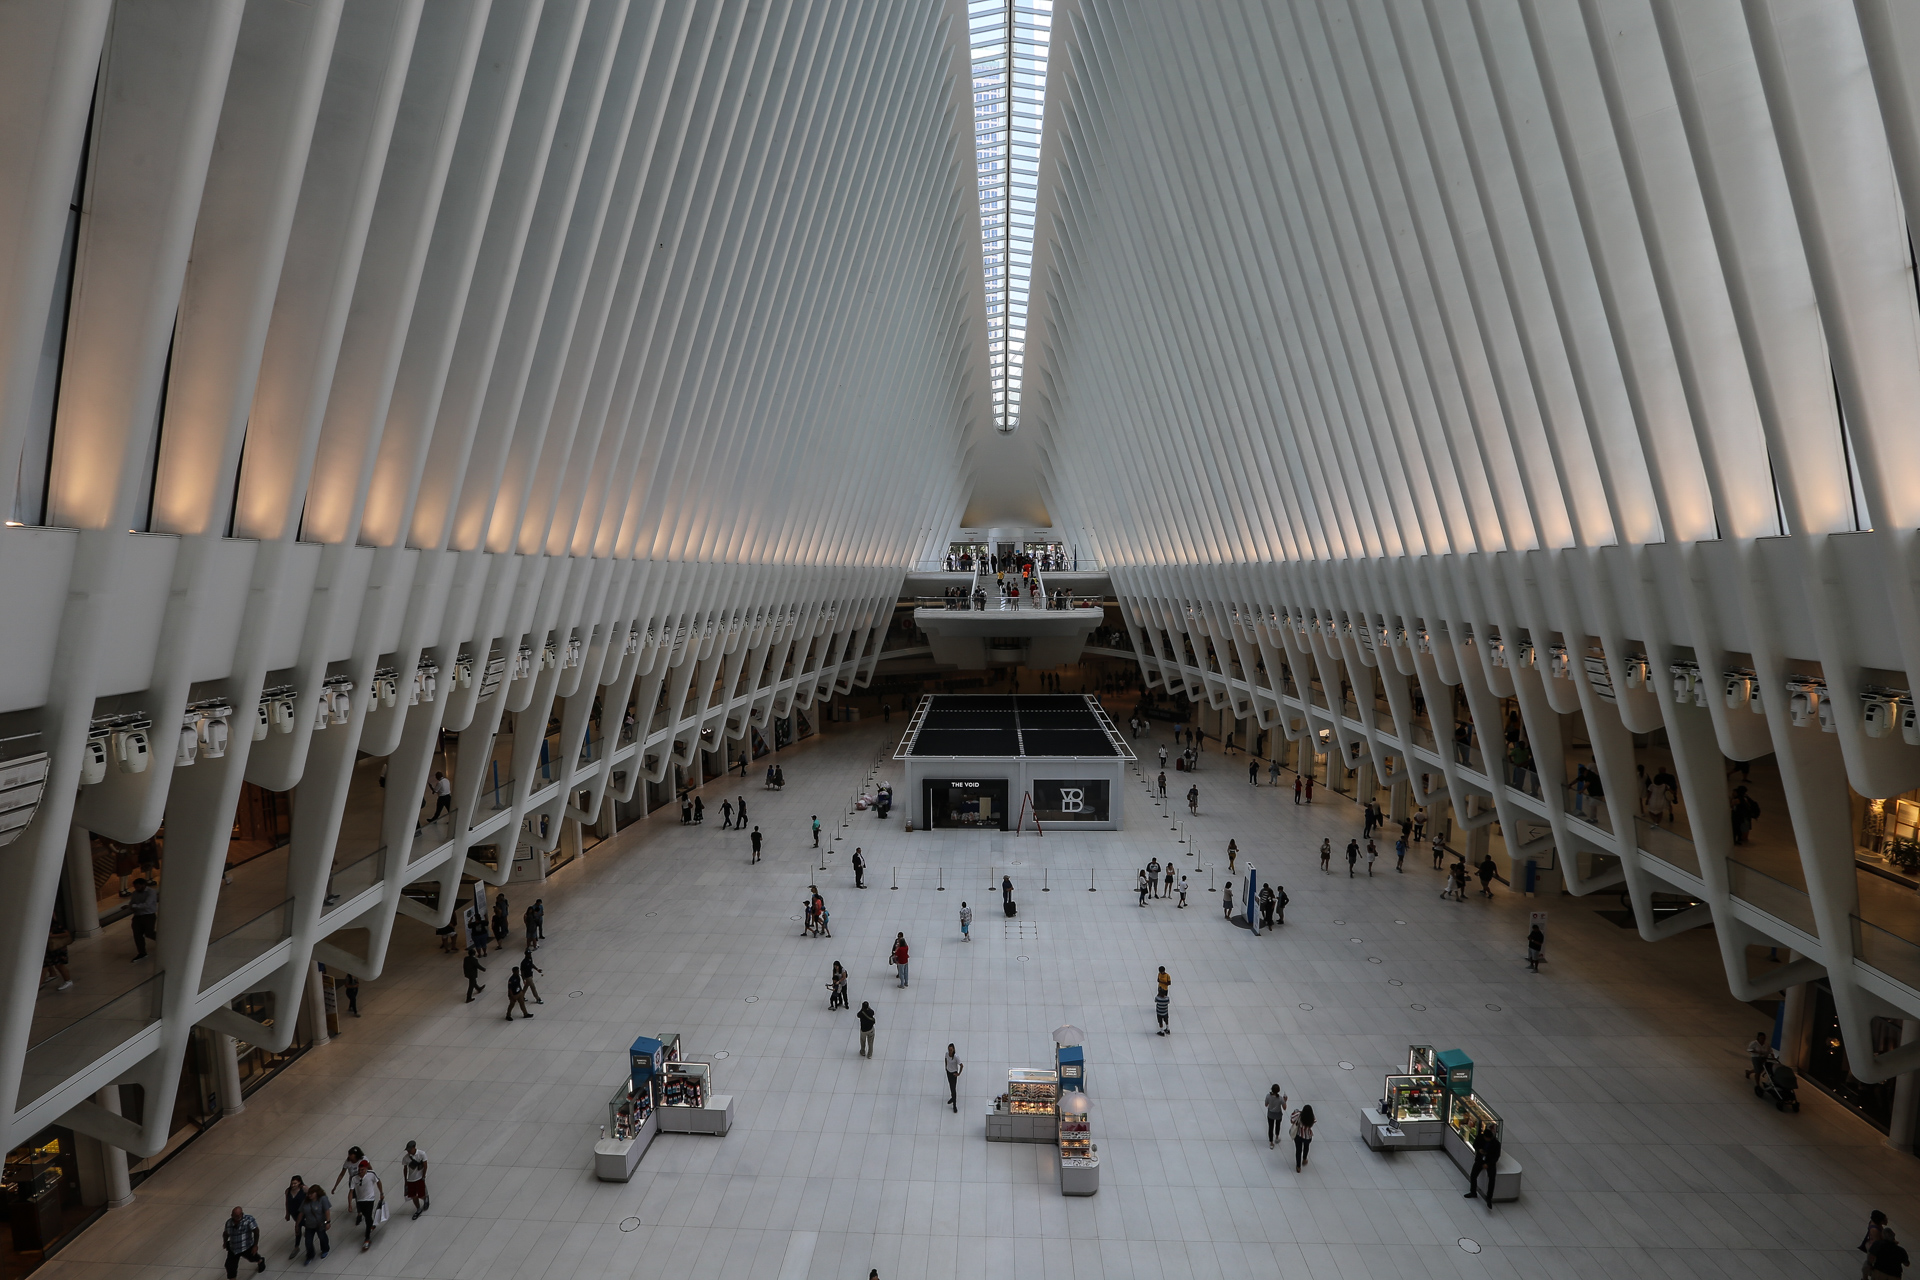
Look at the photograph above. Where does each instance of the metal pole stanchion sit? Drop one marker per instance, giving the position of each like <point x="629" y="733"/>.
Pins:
<point x="896" y="877"/>
<point x="1045" y="876"/>
<point x="1090" y="888"/>
<point x="943" y="880"/>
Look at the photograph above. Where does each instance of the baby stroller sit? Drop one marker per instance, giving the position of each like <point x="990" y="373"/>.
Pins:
<point x="1778" y="1083"/>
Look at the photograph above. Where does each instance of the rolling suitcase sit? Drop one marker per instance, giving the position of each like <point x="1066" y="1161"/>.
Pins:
<point x="1009" y="906"/>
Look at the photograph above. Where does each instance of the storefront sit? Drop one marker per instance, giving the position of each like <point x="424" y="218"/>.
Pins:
<point x="971" y="803"/>
<point x="1827" y="1065"/>
<point x="45" y="1204"/>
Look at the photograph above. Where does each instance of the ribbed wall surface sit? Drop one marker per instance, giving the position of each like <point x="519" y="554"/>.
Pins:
<point x="633" y="345"/>
<point x="1558" y="350"/>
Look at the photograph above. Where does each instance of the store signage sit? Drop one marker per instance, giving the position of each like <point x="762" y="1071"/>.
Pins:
<point x="1071" y="799"/>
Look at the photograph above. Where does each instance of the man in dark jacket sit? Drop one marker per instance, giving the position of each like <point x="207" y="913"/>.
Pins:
<point x="1886" y="1257"/>
<point x="1486" y="1155"/>
<point x="241" y="1236"/>
<point x="472" y="967"/>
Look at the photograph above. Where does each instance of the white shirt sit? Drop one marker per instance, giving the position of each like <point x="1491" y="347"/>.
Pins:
<point x="966" y="915"/>
<point x="415" y="1165"/>
<point x="953" y="1065"/>
<point x="443" y="786"/>
<point x="366" y="1186"/>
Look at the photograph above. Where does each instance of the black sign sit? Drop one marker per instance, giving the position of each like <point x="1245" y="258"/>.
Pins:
<point x="1070" y="799"/>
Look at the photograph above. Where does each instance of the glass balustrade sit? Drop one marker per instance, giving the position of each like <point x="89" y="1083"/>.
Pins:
<point x="80" y="1044"/>
<point x="247" y="942"/>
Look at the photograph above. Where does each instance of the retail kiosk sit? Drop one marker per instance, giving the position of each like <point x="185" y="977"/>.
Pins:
<point x="1000" y="762"/>
<point x="1433" y="1104"/>
<point x="1029" y="1110"/>
<point x="632" y="1119"/>
<point x="685" y="1096"/>
<point x="1078" y="1155"/>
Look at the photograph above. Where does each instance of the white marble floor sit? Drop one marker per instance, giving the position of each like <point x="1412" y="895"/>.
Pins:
<point x="1617" y="1069"/>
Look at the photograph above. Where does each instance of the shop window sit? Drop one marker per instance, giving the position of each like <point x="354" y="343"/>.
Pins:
<point x="41" y="1187"/>
<point x="1827" y="1064"/>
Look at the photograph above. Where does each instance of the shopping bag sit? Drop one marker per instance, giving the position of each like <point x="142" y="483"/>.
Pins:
<point x="380" y="1214"/>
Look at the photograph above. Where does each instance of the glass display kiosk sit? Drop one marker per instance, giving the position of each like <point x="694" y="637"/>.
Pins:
<point x="1412" y="1111"/>
<point x="1079" y="1158"/>
<point x="687" y="1102"/>
<point x="1027" y="1111"/>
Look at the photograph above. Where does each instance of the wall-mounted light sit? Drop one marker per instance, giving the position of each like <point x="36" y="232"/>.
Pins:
<point x="1424" y="640"/>
<point x="631" y="645"/>
<point x="463" y="671"/>
<point x="550" y="655"/>
<point x="426" y="682"/>
<point x="1559" y="666"/>
<point x="132" y="749"/>
<point x="1880" y="710"/>
<point x="1639" y="671"/>
<point x="1686" y="683"/>
<point x="1497" y="653"/>
<point x="1804" y="701"/>
<point x="571" y="655"/>
<point x="1910" y="722"/>
<point x="1737" y="686"/>
<point x="93" y="763"/>
<point x="207" y="723"/>
<point x="386" y="687"/>
<point x="522" y="663"/>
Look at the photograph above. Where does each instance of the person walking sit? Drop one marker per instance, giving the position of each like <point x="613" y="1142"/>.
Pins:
<point x="1536" y="943"/>
<point x="726" y="815"/>
<point x="867" y="1019"/>
<point x="899" y="956"/>
<point x="1326" y="854"/>
<point x="1301" y="1131"/>
<point x="954" y="1067"/>
<point x="837" y="987"/>
<point x="1886" y="1257"/>
<point x="516" y="993"/>
<point x="1226" y="900"/>
<point x="1280" y="901"/>
<point x="413" y="1168"/>
<point x="1309" y="788"/>
<point x="1460" y="880"/>
<point x="1273" y="772"/>
<point x="1183" y="892"/>
<point x="1373" y="853"/>
<point x="1353" y="857"/>
<point x="369" y="1198"/>
<point x="1160" y="998"/>
<point x="1298" y="782"/>
<point x="1233" y="852"/>
<point x="1439" y="851"/>
<point x="1400" y="855"/>
<point x="442" y="790"/>
<point x="352" y="986"/>
<point x="859" y="870"/>
<point x="816" y="831"/>
<point x="1169" y="878"/>
<point x="500" y="921"/>
<point x="1486" y="1155"/>
<point x="527" y="969"/>
<point x="966" y="923"/>
<point x="755" y="839"/>
<point x="1163" y="780"/>
<point x="348" y="1167"/>
<point x="295" y="1196"/>
<point x="1276" y="1115"/>
<point x="1876" y="1227"/>
<point x="1006" y="894"/>
<point x="1163" y="758"/>
<point x="241" y="1236"/>
<point x="1487" y="871"/>
<point x="314" y="1221"/>
<point x="699" y="811"/>
<point x="1193" y="800"/>
<point x="1253" y="773"/>
<point x="145" y="908"/>
<point x="1266" y="906"/>
<point x="472" y="967"/>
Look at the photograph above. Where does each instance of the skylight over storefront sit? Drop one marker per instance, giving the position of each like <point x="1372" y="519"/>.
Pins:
<point x="1009" y="41"/>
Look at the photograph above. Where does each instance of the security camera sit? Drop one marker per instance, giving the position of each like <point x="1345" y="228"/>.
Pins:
<point x="1878" y="713"/>
<point x="188" y="747"/>
<point x="131" y="750"/>
<point x="93" y="762"/>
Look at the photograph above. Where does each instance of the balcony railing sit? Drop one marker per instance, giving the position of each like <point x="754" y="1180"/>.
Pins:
<point x="1670" y="847"/>
<point x="80" y="1044"/>
<point x="245" y="943"/>
<point x="354" y="877"/>
<point x="1888" y="952"/>
<point x="1777" y="898"/>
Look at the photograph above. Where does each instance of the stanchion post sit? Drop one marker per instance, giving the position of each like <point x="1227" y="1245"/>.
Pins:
<point x="896" y="877"/>
<point x="943" y="880"/>
<point x="1045" y="877"/>
<point x="1090" y="888"/>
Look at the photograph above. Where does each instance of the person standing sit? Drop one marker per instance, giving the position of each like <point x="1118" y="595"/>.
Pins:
<point x="1309" y="788"/>
<point x="1326" y="854"/>
<point x="526" y="922"/>
<point x="755" y="839"/>
<point x="145" y="906"/>
<point x="954" y="1068"/>
<point x="1486" y="1155"/>
<point x="315" y="1220"/>
<point x="1273" y="772"/>
<point x="1141" y="883"/>
<point x="867" y="1019"/>
<point x="477" y="934"/>
<point x="353" y="995"/>
<point x="1193" y="800"/>
<point x="527" y="969"/>
<point x="1301" y="1130"/>
<point x="516" y="993"/>
<point x="899" y="956"/>
<point x="1006" y="893"/>
<point x="1153" y="876"/>
<point x="1439" y="851"/>
<point x="837" y="984"/>
<point x="1163" y="782"/>
<point x="472" y="967"/>
<point x="1266" y="906"/>
<point x="1253" y="773"/>
<point x="1160" y="998"/>
<point x="1353" y="857"/>
<point x="1280" y="901"/>
<point x="1373" y="853"/>
<point x="413" y="1167"/>
<point x="539" y="919"/>
<point x="500" y="929"/>
<point x="1233" y="851"/>
<point x="859" y="870"/>
<point x="1536" y="943"/>
<point x="1886" y="1257"/>
<point x="1183" y="891"/>
<point x="1163" y="759"/>
<point x="1169" y="878"/>
<point x="966" y="923"/>
<point x="816" y="831"/>
<point x="1876" y="1226"/>
<point x="1226" y="900"/>
<point x="1400" y="855"/>
<point x="1298" y="782"/>
<point x="1487" y="871"/>
<point x="743" y="765"/>
<point x="369" y="1197"/>
<point x="241" y="1236"/>
<point x="1276" y="1115"/>
<point x="295" y="1196"/>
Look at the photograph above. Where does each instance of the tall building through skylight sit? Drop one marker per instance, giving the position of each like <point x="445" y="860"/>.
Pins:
<point x="1009" y="41"/>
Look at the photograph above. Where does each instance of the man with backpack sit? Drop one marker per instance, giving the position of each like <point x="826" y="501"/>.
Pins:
<point x="516" y="993"/>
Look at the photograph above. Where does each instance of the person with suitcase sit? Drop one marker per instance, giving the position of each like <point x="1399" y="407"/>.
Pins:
<point x="1006" y="894"/>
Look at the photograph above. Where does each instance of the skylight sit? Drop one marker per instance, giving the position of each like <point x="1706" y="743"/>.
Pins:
<point x="1009" y="42"/>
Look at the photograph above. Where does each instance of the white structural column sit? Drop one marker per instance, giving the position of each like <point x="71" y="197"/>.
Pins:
<point x="1434" y="378"/>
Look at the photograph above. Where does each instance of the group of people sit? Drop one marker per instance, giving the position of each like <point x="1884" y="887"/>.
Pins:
<point x="1156" y="883"/>
<point x="1297" y="1123"/>
<point x="521" y="974"/>
<point x="309" y="1208"/>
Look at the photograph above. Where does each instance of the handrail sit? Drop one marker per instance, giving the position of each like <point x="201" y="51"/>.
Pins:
<point x="79" y="1044"/>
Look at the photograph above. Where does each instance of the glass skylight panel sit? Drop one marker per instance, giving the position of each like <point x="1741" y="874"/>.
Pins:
<point x="1009" y="44"/>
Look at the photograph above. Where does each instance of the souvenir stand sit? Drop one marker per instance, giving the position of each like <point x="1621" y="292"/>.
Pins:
<point x="632" y="1121"/>
<point x="1028" y="1110"/>
<point x="1078" y="1156"/>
